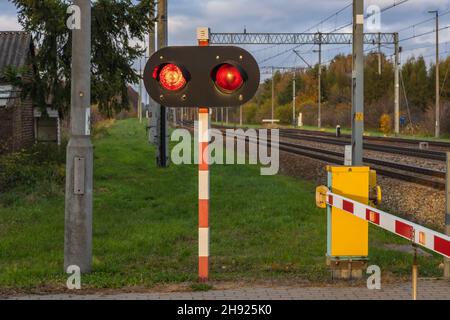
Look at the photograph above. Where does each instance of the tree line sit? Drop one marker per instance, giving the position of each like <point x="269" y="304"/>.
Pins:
<point x="417" y="94"/>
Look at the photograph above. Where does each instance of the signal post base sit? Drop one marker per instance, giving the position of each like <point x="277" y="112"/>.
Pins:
<point x="347" y="269"/>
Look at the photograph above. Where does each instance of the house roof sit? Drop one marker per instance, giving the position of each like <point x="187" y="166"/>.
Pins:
<point x="15" y="48"/>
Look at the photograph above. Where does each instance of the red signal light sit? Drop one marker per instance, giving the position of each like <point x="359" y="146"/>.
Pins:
<point x="228" y="78"/>
<point x="171" y="77"/>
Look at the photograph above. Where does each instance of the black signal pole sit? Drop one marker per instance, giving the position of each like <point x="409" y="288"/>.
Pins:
<point x="163" y="148"/>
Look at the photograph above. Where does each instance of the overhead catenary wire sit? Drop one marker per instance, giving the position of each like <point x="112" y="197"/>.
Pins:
<point x="329" y="17"/>
<point x="395" y="4"/>
<point x="424" y="21"/>
<point x="308" y="29"/>
<point x="424" y="33"/>
<point x="406" y="99"/>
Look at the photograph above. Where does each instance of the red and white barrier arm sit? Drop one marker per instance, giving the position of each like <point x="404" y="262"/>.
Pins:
<point x="435" y="241"/>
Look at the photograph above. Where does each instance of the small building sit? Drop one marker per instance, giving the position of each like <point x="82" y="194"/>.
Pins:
<point x="21" y="123"/>
<point x="16" y="114"/>
<point x="133" y="99"/>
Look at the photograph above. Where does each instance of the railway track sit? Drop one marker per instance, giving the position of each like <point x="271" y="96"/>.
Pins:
<point x="329" y="138"/>
<point x="418" y="153"/>
<point x="423" y="176"/>
<point x="438" y="144"/>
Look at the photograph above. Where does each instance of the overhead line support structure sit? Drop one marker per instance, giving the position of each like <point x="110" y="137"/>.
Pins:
<point x="317" y="38"/>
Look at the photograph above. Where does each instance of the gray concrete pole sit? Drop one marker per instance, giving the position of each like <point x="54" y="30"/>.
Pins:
<point x="397" y="84"/>
<point x="162" y="37"/>
<point x="447" y="215"/>
<point x="273" y="94"/>
<point x="139" y="109"/>
<point x="438" y="120"/>
<point x="319" y="93"/>
<point x="293" y="99"/>
<point x="379" y="53"/>
<point x="79" y="165"/>
<point x="151" y="51"/>
<point x="152" y="31"/>
<point x="437" y="116"/>
<point x="240" y="115"/>
<point x="358" y="83"/>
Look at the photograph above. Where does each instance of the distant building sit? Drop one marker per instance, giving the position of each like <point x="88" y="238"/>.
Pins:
<point x="16" y="114"/>
<point x="133" y="98"/>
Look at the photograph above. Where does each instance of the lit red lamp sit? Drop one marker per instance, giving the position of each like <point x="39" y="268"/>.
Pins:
<point x="228" y="78"/>
<point x="170" y="77"/>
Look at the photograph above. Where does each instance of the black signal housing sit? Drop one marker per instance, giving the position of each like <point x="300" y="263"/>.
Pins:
<point x="199" y="66"/>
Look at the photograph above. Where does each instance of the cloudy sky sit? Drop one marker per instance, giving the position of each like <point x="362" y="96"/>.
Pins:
<point x="292" y="16"/>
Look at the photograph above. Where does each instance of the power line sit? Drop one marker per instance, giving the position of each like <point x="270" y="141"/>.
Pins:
<point x="424" y="34"/>
<point x="279" y="54"/>
<point x="424" y="47"/>
<point x="440" y="53"/>
<point x="424" y="21"/>
<point x="395" y="4"/>
<point x="323" y="20"/>
<point x="329" y="17"/>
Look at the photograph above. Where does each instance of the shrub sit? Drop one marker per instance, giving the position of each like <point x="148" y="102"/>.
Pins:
<point x="40" y="163"/>
<point x="102" y="127"/>
<point x="284" y="114"/>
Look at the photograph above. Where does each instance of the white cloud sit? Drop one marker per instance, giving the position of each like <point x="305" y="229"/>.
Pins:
<point x="9" y="23"/>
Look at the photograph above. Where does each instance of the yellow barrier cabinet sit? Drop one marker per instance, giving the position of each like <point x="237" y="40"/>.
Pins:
<point x="348" y="236"/>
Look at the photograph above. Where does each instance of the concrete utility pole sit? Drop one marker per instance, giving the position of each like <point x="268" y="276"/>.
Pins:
<point x="293" y="98"/>
<point x="379" y="53"/>
<point x="358" y="83"/>
<point x="437" y="125"/>
<point x="447" y="215"/>
<point x="397" y="85"/>
<point x="273" y="94"/>
<point x="240" y="115"/>
<point x="79" y="165"/>
<point x="163" y="150"/>
<point x="152" y="33"/>
<point x="139" y="109"/>
<point x="319" y="94"/>
<point x="153" y="122"/>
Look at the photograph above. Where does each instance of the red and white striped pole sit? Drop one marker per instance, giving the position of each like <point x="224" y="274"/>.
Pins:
<point x="203" y="179"/>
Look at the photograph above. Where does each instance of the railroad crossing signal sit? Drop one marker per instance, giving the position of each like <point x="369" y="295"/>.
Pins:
<point x="201" y="76"/>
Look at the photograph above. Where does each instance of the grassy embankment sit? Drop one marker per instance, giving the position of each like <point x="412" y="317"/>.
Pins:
<point x="145" y="225"/>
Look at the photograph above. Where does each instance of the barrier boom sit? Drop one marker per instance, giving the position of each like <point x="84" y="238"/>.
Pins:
<point x="418" y="234"/>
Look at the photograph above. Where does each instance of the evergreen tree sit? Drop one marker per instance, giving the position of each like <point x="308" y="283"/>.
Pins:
<point x="116" y="25"/>
<point x="416" y="83"/>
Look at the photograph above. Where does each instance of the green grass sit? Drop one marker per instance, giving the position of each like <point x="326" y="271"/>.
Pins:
<point x="145" y="225"/>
